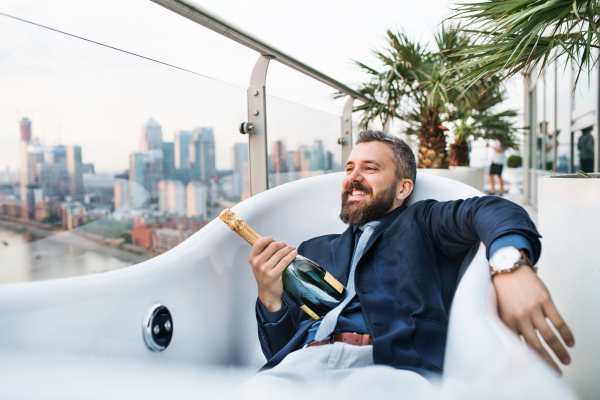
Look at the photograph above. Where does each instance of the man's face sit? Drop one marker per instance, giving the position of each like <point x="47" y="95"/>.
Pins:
<point x="370" y="186"/>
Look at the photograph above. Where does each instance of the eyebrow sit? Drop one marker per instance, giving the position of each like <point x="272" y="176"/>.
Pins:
<point x="372" y="162"/>
<point x="366" y="162"/>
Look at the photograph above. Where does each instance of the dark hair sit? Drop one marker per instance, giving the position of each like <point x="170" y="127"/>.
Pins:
<point x="406" y="164"/>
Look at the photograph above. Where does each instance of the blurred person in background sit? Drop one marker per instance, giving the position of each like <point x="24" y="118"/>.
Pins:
<point x="498" y="160"/>
<point x="585" y="145"/>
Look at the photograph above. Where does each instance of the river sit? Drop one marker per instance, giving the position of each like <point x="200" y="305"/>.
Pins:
<point x="25" y="256"/>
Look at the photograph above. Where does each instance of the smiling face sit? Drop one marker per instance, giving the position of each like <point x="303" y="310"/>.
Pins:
<point x="371" y="187"/>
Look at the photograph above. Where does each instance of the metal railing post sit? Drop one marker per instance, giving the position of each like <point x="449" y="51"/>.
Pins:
<point x="257" y="115"/>
<point x="346" y="138"/>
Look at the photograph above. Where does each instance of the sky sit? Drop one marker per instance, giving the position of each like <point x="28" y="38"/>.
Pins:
<point x="77" y="92"/>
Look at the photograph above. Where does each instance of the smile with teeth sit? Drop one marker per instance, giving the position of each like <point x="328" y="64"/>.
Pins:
<point x="358" y="193"/>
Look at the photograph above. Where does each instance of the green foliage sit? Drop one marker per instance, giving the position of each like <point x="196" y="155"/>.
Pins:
<point x="514" y="161"/>
<point x="51" y="219"/>
<point x="521" y="35"/>
<point x="415" y="80"/>
<point x="108" y="228"/>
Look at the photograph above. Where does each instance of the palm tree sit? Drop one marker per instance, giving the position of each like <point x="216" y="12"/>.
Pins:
<point x="479" y="120"/>
<point x="417" y="86"/>
<point x="521" y="35"/>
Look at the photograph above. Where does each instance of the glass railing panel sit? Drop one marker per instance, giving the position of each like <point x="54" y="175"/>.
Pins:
<point x="302" y="141"/>
<point x="143" y="27"/>
<point x="108" y="159"/>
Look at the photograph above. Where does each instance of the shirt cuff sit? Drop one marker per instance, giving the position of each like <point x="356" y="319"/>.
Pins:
<point x="267" y="317"/>
<point x="514" y="240"/>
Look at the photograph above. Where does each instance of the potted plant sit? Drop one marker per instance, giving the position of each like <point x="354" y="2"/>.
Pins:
<point x="416" y="87"/>
<point x="514" y="172"/>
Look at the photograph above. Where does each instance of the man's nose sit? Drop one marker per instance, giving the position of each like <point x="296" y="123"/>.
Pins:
<point x="356" y="175"/>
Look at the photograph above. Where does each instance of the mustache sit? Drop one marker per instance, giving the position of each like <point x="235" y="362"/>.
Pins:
<point x="357" y="186"/>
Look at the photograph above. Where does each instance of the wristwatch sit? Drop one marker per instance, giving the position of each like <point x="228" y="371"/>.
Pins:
<point x="506" y="260"/>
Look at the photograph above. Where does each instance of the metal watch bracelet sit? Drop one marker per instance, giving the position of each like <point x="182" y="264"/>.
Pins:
<point x="516" y="266"/>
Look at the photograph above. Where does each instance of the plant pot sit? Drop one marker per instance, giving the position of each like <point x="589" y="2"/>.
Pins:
<point x="471" y="176"/>
<point x="514" y="176"/>
<point x="569" y="221"/>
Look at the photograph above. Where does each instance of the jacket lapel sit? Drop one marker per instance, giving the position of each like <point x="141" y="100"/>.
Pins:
<point x="341" y="254"/>
<point x="386" y="221"/>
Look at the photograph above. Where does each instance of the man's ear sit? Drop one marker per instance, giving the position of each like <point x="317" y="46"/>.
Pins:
<point x="405" y="188"/>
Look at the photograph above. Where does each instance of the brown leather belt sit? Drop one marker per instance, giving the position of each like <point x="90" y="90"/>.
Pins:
<point x="346" y="337"/>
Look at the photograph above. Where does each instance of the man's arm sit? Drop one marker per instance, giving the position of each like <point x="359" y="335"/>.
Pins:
<point x="523" y="300"/>
<point x="276" y="325"/>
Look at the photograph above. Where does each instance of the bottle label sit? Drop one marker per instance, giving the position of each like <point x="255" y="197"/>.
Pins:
<point x="309" y="311"/>
<point x="333" y="282"/>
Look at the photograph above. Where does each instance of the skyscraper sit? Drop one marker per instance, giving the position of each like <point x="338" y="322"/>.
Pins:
<point x="202" y="154"/>
<point x="27" y="169"/>
<point x="317" y="158"/>
<point x="74" y="170"/>
<point x="145" y="171"/>
<point x="181" y="148"/>
<point x="25" y="126"/>
<point x="168" y="149"/>
<point x="171" y="197"/>
<point x="240" y="162"/>
<point x="151" y="136"/>
<point x="196" y="200"/>
<point x="121" y="192"/>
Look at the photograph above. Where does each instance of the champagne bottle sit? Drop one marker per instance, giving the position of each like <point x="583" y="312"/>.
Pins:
<point x="312" y="288"/>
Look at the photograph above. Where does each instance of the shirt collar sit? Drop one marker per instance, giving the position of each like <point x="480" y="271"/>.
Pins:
<point x="384" y="218"/>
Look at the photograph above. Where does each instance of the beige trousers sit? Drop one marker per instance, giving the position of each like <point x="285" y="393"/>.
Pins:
<point x="341" y="370"/>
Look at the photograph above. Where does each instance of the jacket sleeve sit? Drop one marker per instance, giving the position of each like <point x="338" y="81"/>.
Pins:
<point x="276" y="329"/>
<point x="457" y="225"/>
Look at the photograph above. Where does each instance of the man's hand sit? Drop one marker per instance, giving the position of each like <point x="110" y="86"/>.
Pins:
<point x="268" y="259"/>
<point x="524" y="304"/>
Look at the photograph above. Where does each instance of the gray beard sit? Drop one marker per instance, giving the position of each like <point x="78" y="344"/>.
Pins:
<point x="359" y="214"/>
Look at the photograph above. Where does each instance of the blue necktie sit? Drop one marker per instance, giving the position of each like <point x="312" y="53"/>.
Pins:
<point x="330" y="321"/>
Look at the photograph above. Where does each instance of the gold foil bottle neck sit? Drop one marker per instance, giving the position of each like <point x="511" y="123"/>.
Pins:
<point x="309" y="311"/>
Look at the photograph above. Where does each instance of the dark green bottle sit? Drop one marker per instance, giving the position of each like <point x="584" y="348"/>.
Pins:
<point x="312" y="288"/>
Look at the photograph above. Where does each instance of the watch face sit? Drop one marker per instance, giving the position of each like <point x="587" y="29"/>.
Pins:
<point x="505" y="258"/>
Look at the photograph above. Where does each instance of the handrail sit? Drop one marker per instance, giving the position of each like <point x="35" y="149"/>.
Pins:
<point x="213" y="22"/>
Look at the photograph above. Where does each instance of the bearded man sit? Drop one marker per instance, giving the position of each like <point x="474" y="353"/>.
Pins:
<point x="400" y="266"/>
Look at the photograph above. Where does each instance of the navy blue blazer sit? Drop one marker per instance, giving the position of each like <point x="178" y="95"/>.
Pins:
<point x="406" y="278"/>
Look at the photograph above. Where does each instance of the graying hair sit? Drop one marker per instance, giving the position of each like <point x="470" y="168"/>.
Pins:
<point x="406" y="164"/>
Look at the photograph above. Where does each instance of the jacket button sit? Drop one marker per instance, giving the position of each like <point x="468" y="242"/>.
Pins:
<point x="336" y="331"/>
<point x="262" y="335"/>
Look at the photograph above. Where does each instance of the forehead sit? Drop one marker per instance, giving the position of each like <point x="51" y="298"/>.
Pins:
<point x="372" y="151"/>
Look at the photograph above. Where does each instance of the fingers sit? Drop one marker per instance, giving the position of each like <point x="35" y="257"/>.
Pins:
<point x="260" y="245"/>
<point x="265" y="250"/>
<point x="539" y="321"/>
<point x="558" y="323"/>
<point x="527" y="330"/>
<point x="285" y="261"/>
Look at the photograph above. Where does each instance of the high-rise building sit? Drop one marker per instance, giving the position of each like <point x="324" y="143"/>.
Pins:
<point x="168" y="149"/>
<point x="121" y="192"/>
<point x="317" y="158"/>
<point x="171" y="197"/>
<point x="88" y="168"/>
<point x="145" y="169"/>
<point x="240" y="162"/>
<point x="196" y="196"/>
<point x="27" y="166"/>
<point x="74" y="170"/>
<point x="277" y="158"/>
<point x="50" y="179"/>
<point x="25" y="126"/>
<point x="151" y="136"/>
<point x="202" y="155"/>
<point x="181" y="148"/>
